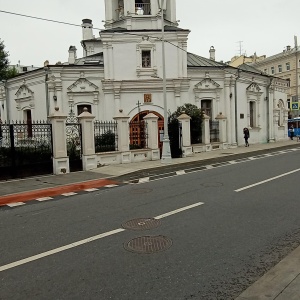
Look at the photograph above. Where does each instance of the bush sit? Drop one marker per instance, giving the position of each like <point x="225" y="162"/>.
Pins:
<point x="105" y="142"/>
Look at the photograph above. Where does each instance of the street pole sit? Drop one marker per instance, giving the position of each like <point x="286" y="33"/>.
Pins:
<point x="166" y="150"/>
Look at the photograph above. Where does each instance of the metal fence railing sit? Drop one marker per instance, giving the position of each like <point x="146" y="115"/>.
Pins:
<point x="214" y="131"/>
<point x="106" y="137"/>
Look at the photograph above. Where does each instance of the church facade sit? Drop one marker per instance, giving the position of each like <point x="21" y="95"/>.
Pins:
<point x="122" y="68"/>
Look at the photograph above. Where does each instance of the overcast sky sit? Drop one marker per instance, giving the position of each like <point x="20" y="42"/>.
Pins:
<point x="264" y="26"/>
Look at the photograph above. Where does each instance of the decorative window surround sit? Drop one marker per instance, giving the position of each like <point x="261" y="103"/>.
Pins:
<point x="146" y="45"/>
<point x="25" y="97"/>
<point x="83" y="87"/>
<point x="208" y="89"/>
<point x="254" y="94"/>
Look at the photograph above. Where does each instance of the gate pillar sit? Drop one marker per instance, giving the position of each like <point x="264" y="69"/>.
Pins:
<point x="89" y="158"/>
<point x="206" y="132"/>
<point x="152" y="133"/>
<point x="60" y="157"/>
<point x="123" y="136"/>
<point x="185" y="121"/>
<point x="222" y="129"/>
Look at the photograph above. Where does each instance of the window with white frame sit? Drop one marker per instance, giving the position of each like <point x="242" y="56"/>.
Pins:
<point x="279" y="68"/>
<point x="288" y="66"/>
<point x="252" y="113"/>
<point x="146" y="59"/>
<point x="281" y="113"/>
<point x="272" y="70"/>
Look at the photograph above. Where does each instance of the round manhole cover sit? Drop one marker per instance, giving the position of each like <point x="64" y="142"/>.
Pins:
<point x="141" y="224"/>
<point x="140" y="191"/>
<point x="148" y="244"/>
<point x="212" y="184"/>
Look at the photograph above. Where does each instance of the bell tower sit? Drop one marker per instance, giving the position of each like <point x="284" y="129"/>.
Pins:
<point x="139" y="14"/>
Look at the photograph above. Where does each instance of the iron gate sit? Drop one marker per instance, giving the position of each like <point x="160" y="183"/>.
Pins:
<point x="138" y="135"/>
<point x="74" y="142"/>
<point x="175" y="136"/>
<point x="214" y="131"/>
<point x="25" y="149"/>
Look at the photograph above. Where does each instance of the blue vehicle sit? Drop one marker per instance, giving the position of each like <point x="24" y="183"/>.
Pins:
<point x="296" y="123"/>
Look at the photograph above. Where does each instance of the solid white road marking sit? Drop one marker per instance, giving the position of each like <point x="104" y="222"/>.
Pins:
<point x="44" y="199"/>
<point x="15" y="204"/>
<point x="69" y="194"/>
<point x="85" y="241"/>
<point x="267" y="180"/>
<point x="178" y="210"/>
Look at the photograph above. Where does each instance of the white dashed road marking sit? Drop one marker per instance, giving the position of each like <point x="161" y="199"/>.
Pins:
<point x="69" y="194"/>
<point x="85" y="241"/>
<point x="15" y="204"/>
<point x="91" y="190"/>
<point x="44" y="199"/>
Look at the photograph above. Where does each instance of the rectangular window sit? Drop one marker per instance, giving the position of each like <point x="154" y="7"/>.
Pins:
<point x="252" y="114"/>
<point x="288" y="66"/>
<point x="272" y="70"/>
<point x="146" y="59"/>
<point x="266" y="71"/>
<point x="279" y="68"/>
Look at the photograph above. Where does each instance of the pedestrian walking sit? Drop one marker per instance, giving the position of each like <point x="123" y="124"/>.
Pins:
<point x="291" y="130"/>
<point x="246" y="136"/>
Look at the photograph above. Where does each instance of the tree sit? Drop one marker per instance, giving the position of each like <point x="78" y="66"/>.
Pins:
<point x="173" y="127"/>
<point x="6" y="72"/>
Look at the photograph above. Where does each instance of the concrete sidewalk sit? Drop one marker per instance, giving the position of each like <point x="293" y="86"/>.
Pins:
<point x="280" y="283"/>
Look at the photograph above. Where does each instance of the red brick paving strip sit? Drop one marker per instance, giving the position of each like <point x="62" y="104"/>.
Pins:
<point x="48" y="192"/>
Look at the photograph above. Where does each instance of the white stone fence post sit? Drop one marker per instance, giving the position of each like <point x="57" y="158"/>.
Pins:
<point x="185" y="121"/>
<point x="123" y="136"/>
<point x="152" y="135"/>
<point x="60" y="156"/>
<point x="206" y="131"/>
<point x="222" y="128"/>
<point x="89" y="159"/>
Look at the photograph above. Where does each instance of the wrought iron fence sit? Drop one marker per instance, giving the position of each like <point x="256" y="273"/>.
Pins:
<point x="106" y="137"/>
<point x="25" y="149"/>
<point x="214" y="131"/>
<point x="138" y="135"/>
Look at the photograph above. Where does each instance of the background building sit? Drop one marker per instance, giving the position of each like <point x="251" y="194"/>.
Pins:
<point x="285" y="65"/>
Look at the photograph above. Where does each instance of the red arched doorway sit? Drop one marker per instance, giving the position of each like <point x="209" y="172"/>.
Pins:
<point x="138" y="139"/>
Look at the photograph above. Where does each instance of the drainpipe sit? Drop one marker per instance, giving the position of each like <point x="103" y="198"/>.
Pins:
<point x="235" y="108"/>
<point x="268" y="108"/>
<point x="46" y="91"/>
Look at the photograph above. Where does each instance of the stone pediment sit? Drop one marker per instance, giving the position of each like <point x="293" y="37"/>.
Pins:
<point x="207" y="84"/>
<point x="82" y="85"/>
<point x="253" y="87"/>
<point x="24" y="92"/>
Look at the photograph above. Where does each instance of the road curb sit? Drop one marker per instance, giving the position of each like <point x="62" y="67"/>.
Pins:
<point x="48" y="192"/>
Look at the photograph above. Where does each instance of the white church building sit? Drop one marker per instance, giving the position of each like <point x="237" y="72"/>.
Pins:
<point x="122" y="69"/>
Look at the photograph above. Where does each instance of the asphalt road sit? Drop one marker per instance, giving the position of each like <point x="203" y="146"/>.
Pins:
<point x="238" y="221"/>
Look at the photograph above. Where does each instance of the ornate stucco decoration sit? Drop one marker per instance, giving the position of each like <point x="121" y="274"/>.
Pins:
<point x="253" y="92"/>
<point x="146" y="45"/>
<point x="24" y="97"/>
<point x="207" y="88"/>
<point x="83" y="87"/>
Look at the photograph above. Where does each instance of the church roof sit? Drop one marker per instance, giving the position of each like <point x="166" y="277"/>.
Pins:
<point x="248" y="68"/>
<point x="121" y="29"/>
<point x="94" y="59"/>
<point x="194" y="60"/>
